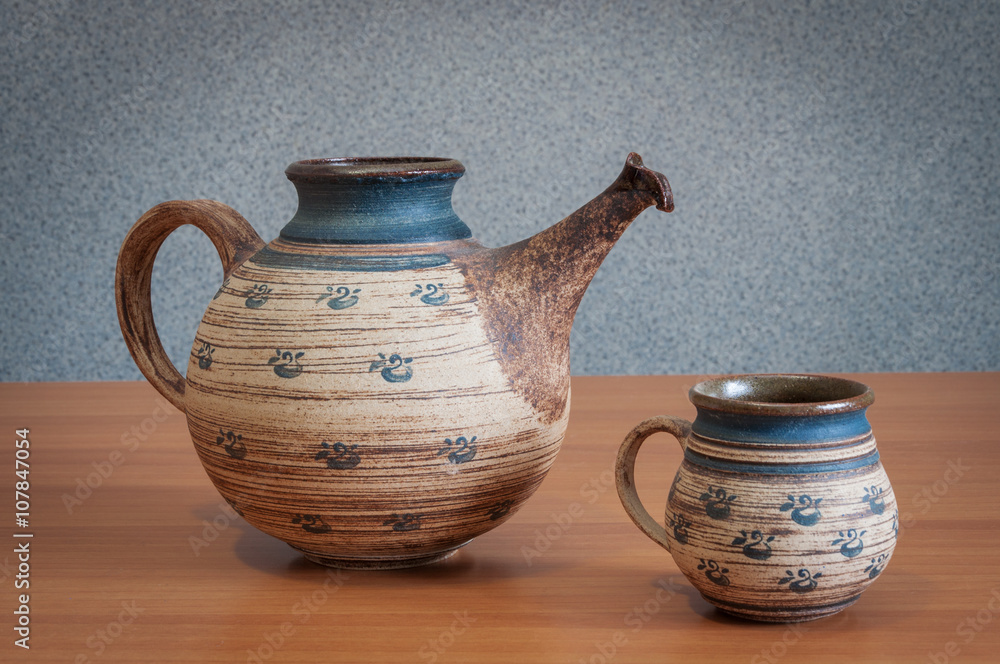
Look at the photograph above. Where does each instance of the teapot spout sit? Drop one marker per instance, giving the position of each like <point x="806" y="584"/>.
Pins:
<point x="529" y="291"/>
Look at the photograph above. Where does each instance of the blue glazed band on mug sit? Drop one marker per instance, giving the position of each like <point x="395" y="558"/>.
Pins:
<point x="780" y="429"/>
<point x="781" y="409"/>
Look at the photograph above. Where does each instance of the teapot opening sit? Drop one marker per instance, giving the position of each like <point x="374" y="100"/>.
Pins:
<point x="396" y="169"/>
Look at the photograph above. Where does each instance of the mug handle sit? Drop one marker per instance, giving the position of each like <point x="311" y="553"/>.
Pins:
<point x="235" y="240"/>
<point x="625" y="471"/>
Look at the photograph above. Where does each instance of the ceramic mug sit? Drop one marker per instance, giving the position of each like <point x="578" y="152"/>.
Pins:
<point x="781" y="510"/>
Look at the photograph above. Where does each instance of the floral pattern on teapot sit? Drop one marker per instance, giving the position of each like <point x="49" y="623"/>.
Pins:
<point x="232" y="443"/>
<point x="286" y="363"/>
<point x="257" y="296"/>
<point x="500" y="510"/>
<point x="393" y="369"/>
<point x="460" y="450"/>
<point x="345" y="298"/>
<point x="402" y="523"/>
<point x="312" y="523"/>
<point x="204" y="355"/>
<point x="435" y="294"/>
<point x="338" y="456"/>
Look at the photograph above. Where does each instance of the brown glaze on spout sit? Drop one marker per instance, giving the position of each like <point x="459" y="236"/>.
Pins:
<point x="530" y="291"/>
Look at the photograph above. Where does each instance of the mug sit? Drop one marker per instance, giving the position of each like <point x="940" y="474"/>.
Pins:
<point x="781" y="510"/>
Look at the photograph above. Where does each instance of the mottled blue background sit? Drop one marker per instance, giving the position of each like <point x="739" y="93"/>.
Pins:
<point x="834" y="164"/>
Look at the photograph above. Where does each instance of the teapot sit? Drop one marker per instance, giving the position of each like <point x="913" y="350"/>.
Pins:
<point x="375" y="387"/>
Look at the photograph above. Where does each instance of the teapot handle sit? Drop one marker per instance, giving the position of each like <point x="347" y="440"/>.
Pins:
<point x="234" y="239"/>
<point x="625" y="471"/>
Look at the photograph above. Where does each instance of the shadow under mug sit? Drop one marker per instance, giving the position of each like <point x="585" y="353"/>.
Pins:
<point x="781" y="510"/>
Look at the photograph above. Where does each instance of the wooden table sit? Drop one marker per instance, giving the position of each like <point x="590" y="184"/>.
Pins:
<point x="135" y="558"/>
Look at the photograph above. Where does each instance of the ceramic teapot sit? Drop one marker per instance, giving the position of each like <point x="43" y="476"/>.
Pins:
<point x="375" y="387"/>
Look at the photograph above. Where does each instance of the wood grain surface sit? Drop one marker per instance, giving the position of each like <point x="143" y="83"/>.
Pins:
<point x="134" y="557"/>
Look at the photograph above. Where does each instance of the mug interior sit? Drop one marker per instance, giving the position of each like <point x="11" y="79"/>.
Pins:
<point x="787" y="394"/>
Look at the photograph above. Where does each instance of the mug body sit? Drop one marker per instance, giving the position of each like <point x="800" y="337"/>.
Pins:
<point x="781" y="510"/>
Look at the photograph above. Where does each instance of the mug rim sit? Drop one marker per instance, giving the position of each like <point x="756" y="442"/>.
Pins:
<point x="743" y="394"/>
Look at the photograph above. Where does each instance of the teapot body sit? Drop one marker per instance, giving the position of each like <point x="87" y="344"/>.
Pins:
<point x="351" y="404"/>
<point x="374" y="387"/>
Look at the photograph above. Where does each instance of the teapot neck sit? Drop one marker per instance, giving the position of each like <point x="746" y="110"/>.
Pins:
<point x="393" y="200"/>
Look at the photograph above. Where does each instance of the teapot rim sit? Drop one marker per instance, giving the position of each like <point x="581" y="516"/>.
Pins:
<point x="354" y="169"/>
